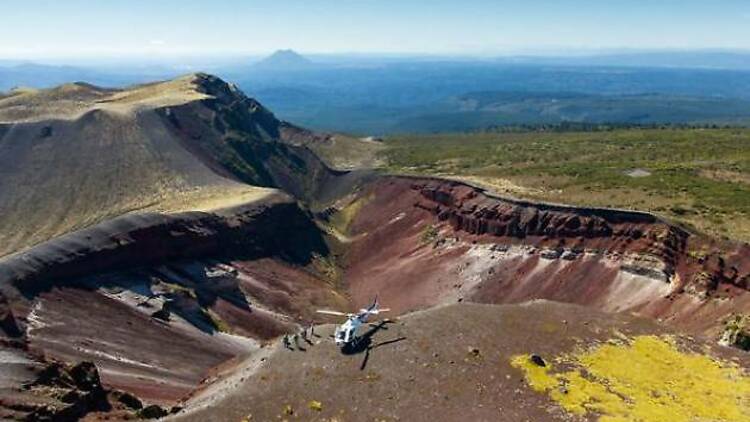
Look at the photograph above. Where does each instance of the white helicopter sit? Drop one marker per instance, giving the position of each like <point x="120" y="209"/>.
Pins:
<point x="346" y="333"/>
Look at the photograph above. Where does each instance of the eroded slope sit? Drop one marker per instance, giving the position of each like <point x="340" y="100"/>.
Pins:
<point x="421" y="242"/>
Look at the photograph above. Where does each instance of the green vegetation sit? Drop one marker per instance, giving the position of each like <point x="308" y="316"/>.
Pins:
<point x="345" y="152"/>
<point x="216" y="321"/>
<point x="697" y="176"/>
<point x="176" y="289"/>
<point x="737" y="332"/>
<point x="429" y="234"/>
<point x="315" y="405"/>
<point x="343" y="219"/>
<point x="328" y="268"/>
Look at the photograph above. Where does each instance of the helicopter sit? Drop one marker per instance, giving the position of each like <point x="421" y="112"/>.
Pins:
<point x="346" y="333"/>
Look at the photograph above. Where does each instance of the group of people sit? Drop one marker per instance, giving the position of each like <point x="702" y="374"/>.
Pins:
<point x="306" y="334"/>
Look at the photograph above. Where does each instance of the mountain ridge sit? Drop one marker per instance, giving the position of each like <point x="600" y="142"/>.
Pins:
<point x="193" y="143"/>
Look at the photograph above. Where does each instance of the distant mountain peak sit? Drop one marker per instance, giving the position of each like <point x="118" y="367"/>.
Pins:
<point x="285" y="60"/>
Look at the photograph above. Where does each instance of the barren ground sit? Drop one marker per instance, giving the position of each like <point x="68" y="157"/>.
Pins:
<point x="448" y="363"/>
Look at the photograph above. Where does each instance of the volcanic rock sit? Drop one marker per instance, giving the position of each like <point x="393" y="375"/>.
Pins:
<point x="538" y="360"/>
<point x="152" y="412"/>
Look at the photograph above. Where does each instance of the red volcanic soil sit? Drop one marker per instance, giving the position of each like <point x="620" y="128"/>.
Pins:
<point x="494" y="250"/>
<point x="90" y="296"/>
<point x="107" y="319"/>
<point x="286" y="289"/>
<point x="136" y="352"/>
<point x="416" y="243"/>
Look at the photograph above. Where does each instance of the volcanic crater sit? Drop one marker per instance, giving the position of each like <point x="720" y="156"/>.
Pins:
<point x="175" y="271"/>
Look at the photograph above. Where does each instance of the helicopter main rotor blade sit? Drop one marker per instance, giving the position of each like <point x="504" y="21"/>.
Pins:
<point x="327" y="312"/>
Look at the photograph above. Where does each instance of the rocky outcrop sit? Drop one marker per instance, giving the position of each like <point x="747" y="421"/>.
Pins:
<point x="275" y="227"/>
<point x="70" y="393"/>
<point x="8" y="325"/>
<point x="737" y="332"/>
<point x="490" y="249"/>
<point x="63" y="393"/>
<point x="238" y="137"/>
<point x="475" y="211"/>
<point x="472" y="210"/>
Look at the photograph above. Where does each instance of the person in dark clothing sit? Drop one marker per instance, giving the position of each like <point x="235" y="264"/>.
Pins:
<point x="303" y="334"/>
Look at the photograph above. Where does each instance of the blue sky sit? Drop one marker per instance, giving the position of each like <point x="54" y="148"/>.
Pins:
<point x="42" y="28"/>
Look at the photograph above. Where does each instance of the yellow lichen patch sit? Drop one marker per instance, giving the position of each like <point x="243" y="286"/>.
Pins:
<point x="538" y="377"/>
<point x="646" y="379"/>
<point x="578" y="395"/>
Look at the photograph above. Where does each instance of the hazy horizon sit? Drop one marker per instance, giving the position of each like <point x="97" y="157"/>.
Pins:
<point x="210" y="63"/>
<point x="537" y="52"/>
<point x="84" y="29"/>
